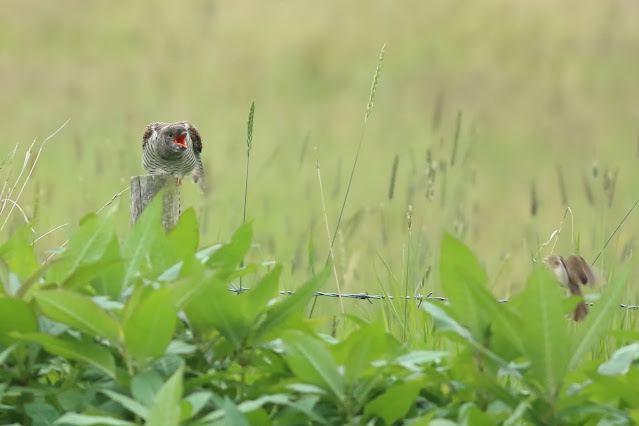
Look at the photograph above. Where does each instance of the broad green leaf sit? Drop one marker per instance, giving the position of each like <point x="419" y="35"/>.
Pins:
<point x="231" y="412"/>
<point x="292" y="304"/>
<point x="415" y="358"/>
<point x="15" y="315"/>
<point x="86" y="245"/>
<point x="130" y="404"/>
<point x="92" y="354"/>
<point x="79" y="312"/>
<point x="546" y="340"/>
<point x="312" y="363"/>
<point x="445" y="322"/>
<point x="620" y="361"/>
<point x="265" y="290"/>
<point x="87" y="420"/>
<point x="32" y="282"/>
<point x="145" y="386"/>
<point x="197" y="401"/>
<point x="229" y="256"/>
<point x="109" y="282"/>
<point x="139" y="242"/>
<point x="19" y="255"/>
<point x="598" y="319"/>
<point x="470" y="415"/>
<point x="246" y="406"/>
<point x="184" y="238"/>
<point x="359" y="349"/>
<point x="84" y="274"/>
<point x="460" y="272"/>
<point x="394" y="403"/>
<point x="4" y="277"/>
<point x="218" y="309"/>
<point x="41" y="413"/>
<point x="150" y="327"/>
<point x="4" y="355"/>
<point x="166" y="405"/>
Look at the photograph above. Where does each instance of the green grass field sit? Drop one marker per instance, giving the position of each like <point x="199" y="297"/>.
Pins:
<point x="539" y="86"/>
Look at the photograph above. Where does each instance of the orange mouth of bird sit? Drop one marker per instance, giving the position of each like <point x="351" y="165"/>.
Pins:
<point x="180" y="140"/>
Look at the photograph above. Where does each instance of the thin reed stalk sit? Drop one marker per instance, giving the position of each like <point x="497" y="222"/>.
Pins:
<point x="331" y="255"/>
<point x="369" y="108"/>
<point x="249" y="145"/>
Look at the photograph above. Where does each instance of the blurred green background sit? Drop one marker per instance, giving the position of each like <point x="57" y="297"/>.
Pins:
<point x="543" y="88"/>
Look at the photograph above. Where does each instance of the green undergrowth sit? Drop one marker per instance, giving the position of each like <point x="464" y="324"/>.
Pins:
<point x="147" y="329"/>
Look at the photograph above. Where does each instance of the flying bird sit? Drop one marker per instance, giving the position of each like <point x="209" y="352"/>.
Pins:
<point x="572" y="272"/>
<point x="173" y="149"/>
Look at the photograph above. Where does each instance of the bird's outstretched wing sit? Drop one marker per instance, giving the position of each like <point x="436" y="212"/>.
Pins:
<point x="196" y="138"/>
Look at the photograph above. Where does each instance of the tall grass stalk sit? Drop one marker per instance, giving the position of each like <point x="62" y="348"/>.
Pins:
<point x="331" y="255"/>
<point x="249" y="145"/>
<point x="369" y="108"/>
<point x="409" y="218"/>
<point x="615" y="231"/>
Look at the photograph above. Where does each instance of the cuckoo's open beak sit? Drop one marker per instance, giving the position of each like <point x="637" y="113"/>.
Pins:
<point x="180" y="140"/>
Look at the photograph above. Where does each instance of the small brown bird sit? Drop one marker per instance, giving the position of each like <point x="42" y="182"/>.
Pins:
<point x="174" y="149"/>
<point x="572" y="272"/>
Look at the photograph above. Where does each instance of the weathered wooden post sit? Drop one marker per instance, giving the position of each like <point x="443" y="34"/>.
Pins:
<point x="144" y="188"/>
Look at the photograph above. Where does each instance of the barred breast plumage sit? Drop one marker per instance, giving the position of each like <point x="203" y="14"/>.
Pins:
<point x="174" y="149"/>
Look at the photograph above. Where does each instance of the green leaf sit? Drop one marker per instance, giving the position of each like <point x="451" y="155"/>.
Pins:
<point x="139" y="242"/>
<point x="470" y="414"/>
<point x="312" y="363"/>
<point x="359" y="349"/>
<point x="598" y="319"/>
<point x="394" y="403"/>
<point x="620" y="361"/>
<point x="229" y="256"/>
<point x="292" y="304"/>
<point x="130" y="404"/>
<point x="41" y="413"/>
<point x="108" y="282"/>
<point x="184" y="238"/>
<point x="4" y="277"/>
<point x="218" y="309"/>
<point x="86" y="245"/>
<point x="166" y="406"/>
<point x="149" y="329"/>
<point x="79" y="312"/>
<point x="197" y="401"/>
<point x="460" y="271"/>
<point x="83" y="275"/>
<point x="445" y="322"/>
<point x="86" y="420"/>
<point x="472" y="304"/>
<point x="90" y="353"/>
<point x="544" y="332"/>
<point x="231" y="412"/>
<point x="19" y="255"/>
<point x="145" y="386"/>
<point x="246" y="406"/>
<point x="265" y="290"/>
<point x="15" y="315"/>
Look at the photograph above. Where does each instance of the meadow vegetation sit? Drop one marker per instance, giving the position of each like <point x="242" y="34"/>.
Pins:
<point x="492" y="135"/>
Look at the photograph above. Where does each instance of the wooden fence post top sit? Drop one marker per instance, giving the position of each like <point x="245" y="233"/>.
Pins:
<point x="144" y="188"/>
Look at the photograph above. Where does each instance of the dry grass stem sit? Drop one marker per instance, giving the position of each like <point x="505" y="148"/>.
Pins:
<point x="328" y="232"/>
<point x="113" y="199"/>
<point x="49" y="232"/>
<point x="30" y="171"/>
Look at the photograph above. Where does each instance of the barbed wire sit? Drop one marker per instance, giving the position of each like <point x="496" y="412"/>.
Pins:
<point x="418" y="297"/>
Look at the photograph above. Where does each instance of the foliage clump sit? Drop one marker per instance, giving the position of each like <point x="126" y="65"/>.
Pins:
<point x="149" y="329"/>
